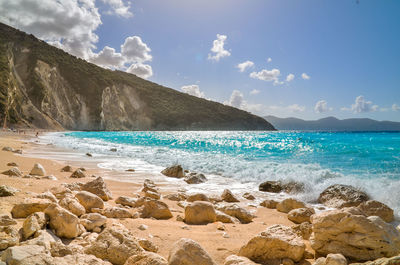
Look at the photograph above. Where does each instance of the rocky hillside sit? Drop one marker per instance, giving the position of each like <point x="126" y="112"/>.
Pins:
<point x="44" y="87"/>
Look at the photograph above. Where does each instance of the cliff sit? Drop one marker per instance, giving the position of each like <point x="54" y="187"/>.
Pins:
<point x="42" y="86"/>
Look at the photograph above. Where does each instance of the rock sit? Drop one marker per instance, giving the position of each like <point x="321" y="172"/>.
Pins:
<point x="116" y="212"/>
<point x="293" y="187"/>
<point x="304" y="230"/>
<point x="237" y="260"/>
<point x="270" y="204"/>
<point x="98" y="187"/>
<point x="300" y="215"/>
<point x="277" y="242"/>
<point x="17" y="254"/>
<point x="228" y="196"/>
<point x="63" y="222"/>
<point x="173" y="172"/>
<point x="12" y="164"/>
<point x="149" y="185"/>
<point x="7" y="149"/>
<point x="199" y="213"/>
<point x="179" y="218"/>
<point x="113" y="149"/>
<point x="17" y="151"/>
<point x="195" y="178"/>
<point x="130" y="170"/>
<point x="339" y="196"/>
<point x="188" y="252"/>
<point x="60" y="191"/>
<point x="129" y="201"/>
<point x="349" y="232"/>
<point x="234" y="210"/>
<point x="287" y="262"/>
<point x="115" y="244"/>
<point x="289" y="204"/>
<point x="6" y="220"/>
<point x="197" y="197"/>
<point x="151" y="194"/>
<point x="47" y="195"/>
<point x="89" y="200"/>
<point x="146" y="258"/>
<point x="89" y="154"/>
<point x="382" y="261"/>
<point x="249" y="196"/>
<point x="8" y="237"/>
<point x="335" y="259"/>
<point x="176" y="196"/>
<point x="50" y="177"/>
<point x="58" y="249"/>
<point x="155" y="209"/>
<point x="143" y="227"/>
<point x="78" y="174"/>
<point x="33" y="223"/>
<point x="38" y="170"/>
<point x="66" y="169"/>
<point x="29" y="206"/>
<point x="42" y="238"/>
<point x="13" y="172"/>
<point x="92" y="220"/>
<point x="72" y="204"/>
<point x="147" y="245"/>
<point x="74" y="186"/>
<point x="224" y="218"/>
<point x="271" y="186"/>
<point x="7" y="191"/>
<point x="375" y="208"/>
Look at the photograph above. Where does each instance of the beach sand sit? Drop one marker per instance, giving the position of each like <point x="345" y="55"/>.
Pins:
<point x="162" y="233"/>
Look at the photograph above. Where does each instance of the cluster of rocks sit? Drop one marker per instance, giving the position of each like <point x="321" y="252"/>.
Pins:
<point x="189" y="177"/>
<point x="37" y="172"/>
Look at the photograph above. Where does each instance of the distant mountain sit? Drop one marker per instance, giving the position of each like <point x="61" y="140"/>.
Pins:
<point x="42" y="86"/>
<point x="333" y="124"/>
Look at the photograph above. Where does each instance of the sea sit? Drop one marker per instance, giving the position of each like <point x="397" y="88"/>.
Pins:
<point x="241" y="160"/>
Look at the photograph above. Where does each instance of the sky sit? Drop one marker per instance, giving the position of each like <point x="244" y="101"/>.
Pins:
<point x="308" y="59"/>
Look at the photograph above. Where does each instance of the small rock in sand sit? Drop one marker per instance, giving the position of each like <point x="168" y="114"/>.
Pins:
<point x="197" y="197"/>
<point x="13" y="172"/>
<point x="199" y="213"/>
<point x="228" y="196"/>
<point x="98" y="187"/>
<point x="12" y="164"/>
<point x="143" y="227"/>
<point x="50" y="177"/>
<point x="7" y="149"/>
<point x="89" y="154"/>
<point x="67" y="168"/>
<point x="289" y="204"/>
<point x="155" y="209"/>
<point x="174" y="172"/>
<point x="78" y="174"/>
<point x="195" y="178"/>
<point x="270" y="204"/>
<point x="89" y="200"/>
<point x="249" y="196"/>
<point x="7" y="191"/>
<point x="37" y="170"/>
<point x="187" y="251"/>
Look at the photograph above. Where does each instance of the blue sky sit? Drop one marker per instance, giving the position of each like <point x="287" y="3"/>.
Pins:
<point x="349" y="50"/>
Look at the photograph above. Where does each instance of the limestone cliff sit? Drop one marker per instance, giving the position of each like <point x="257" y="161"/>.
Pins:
<point x="44" y="87"/>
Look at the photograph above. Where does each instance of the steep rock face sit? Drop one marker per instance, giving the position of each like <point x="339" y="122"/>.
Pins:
<point x="42" y="86"/>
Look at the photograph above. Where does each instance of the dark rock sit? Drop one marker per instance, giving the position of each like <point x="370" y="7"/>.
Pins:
<point x="339" y="196"/>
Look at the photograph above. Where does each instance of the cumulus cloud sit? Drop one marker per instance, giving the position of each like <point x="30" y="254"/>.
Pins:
<point x="141" y="70"/>
<point x="119" y="8"/>
<point x="193" y="90"/>
<point x="254" y="92"/>
<point x="305" y="76"/>
<point x="134" y="49"/>
<point x="395" y="107"/>
<point x="245" y="65"/>
<point x="269" y="59"/>
<point x="289" y="77"/>
<point x="322" y="106"/>
<point x="217" y="50"/>
<point x="361" y="105"/>
<point x="108" y="58"/>
<point x="267" y="75"/>
<point x="236" y="100"/>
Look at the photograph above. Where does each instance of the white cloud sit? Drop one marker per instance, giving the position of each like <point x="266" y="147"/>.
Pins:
<point x="305" y="76"/>
<point x="236" y="100"/>
<point x="218" y="50"/>
<point x="193" y="90"/>
<point x="254" y="92"/>
<point x="361" y="105"/>
<point x="289" y="77"/>
<point x="141" y="70"/>
<point x="296" y="108"/>
<point x="269" y="59"/>
<point x="245" y="65"/>
<point x="322" y="106"/>
<point x="119" y="7"/>
<point x="134" y="49"/>
<point x="108" y="58"/>
<point x="395" y="107"/>
<point x="267" y="75"/>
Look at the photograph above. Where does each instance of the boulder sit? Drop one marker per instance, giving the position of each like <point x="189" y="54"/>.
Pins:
<point x="271" y="186"/>
<point x="155" y="209"/>
<point x="153" y="195"/>
<point x="115" y="244"/>
<point x="89" y="200"/>
<point x="98" y="187"/>
<point x="47" y="195"/>
<point x="289" y="204"/>
<point x="147" y="245"/>
<point x="29" y="206"/>
<point x="304" y="230"/>
<point x="42" y="238"/>
<point x="33" y="223"/>
<point x="293" y="187"/>
<point x="63" y="222"/>
<point x="60" y="191"/>
<point x="224" y="218"/>
<point x="66" y="169"/>
<point x="12" y="164"/>
<point x="277" y="242"/>
<point x="146" y="258"/>
<point x="37" y="170"/>
<point x="7" y="191"/>
<point x="339" y="196"/>
<point x="129" y="201"/>
<point x="58" y="249"/>
<point x="116" y="212"/>
<point x="300" y="215"/>
<point x="195" y="178"/>
<point x="6" y="220"/>
<point x="375" y="208"/>
<point x="74" y="186"/>
<point x="72" y="204"/>
<point x="199" y="213"/>
<point x="188" y="252"/>
<point x="237" y="260"/>
<point x="13" y="172"/>
<point x="382" y="261"/>
<point x="331" y="259"/>
<point x="149" y="185"/>
<point x="241" y="214"/>
<point x="249" y="196"/>
<point x="228" y="196"/>
<point x="174" y="172"/>
<point x="79" y="259"/>
<point x="93" y="220"/>
<point x="8" y="237"/>
<point x="349" y="232"/>
<point x="270" y="204"/>
<point x="17" y="255"/>
<point x="176" y="196"/>
<point x="77" y="174"/>
<point x="197" y="197"/>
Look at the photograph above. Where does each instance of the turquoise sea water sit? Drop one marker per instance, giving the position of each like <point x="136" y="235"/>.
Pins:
<point x="369" y="161"/>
